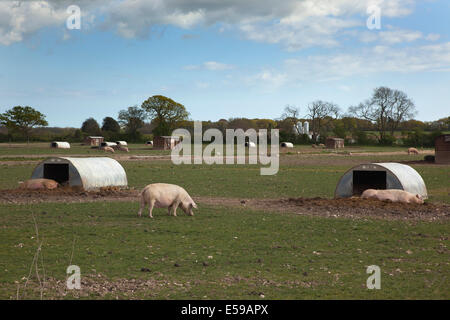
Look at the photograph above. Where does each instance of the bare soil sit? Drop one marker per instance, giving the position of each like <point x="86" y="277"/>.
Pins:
<point x="333" y="208"/>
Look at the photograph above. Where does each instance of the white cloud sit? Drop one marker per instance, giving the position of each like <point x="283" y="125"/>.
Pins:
<point x="340" y="66"/>
<point x="294" y="24"/>
<point x="20" y="19"/>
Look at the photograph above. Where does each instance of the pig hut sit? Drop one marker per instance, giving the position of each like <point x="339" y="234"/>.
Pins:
<point x="165" y="142"/>
<point x="88" y="173"/>
<point x="442" y="149"/>
<point x="389" y="175"/>
<point x="60" y="145"/>
<point x="93" y="141"/>
<point x="334" y="143"/>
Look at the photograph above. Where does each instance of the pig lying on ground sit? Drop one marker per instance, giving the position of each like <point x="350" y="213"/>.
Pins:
<point x="413" y="150"/>
<point x="393" y="195"/>
<point x="108" y="149"/>
<point x="38" y="184"/>
<point x="163" y="195"/>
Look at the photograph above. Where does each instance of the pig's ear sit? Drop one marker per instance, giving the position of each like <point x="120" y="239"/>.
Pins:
<point x="418" y="196"/>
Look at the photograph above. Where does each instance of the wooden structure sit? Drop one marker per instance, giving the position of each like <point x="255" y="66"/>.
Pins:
<point x="334" y="143"/>
<point x="93" y="141"/>
<point x="442" y="149"/>
<point x="165" y="142"/>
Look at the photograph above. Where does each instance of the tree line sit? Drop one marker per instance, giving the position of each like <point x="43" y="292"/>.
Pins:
<point x="381" y="119"/>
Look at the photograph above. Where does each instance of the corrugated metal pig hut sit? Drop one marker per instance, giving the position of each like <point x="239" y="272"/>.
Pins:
<point x="60" y="145"/>
<point x="380" y="176"/>
<point x="442" y="149"/>
<point x="88" y="173"/>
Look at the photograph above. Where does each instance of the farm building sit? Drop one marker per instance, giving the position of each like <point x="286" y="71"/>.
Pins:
<point x="165" y="142"/>
<point x="88" y="173"/>
<point x="60" y="145"/>
<point x="287" y="145"/>
<point x="442" y="149"/>
<point x="380" y="176"/>
<point x="149" y="143"/>
<point x="121" y="143"/>
<point x="93" y="141"/>
<point x="334" y="143"/>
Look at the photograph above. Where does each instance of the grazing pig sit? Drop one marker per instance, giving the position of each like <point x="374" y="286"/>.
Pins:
<point x="314" y="146"/>
<point x="38" y="184"/>
<point x="321" y="145"/>
<point x="108" y="149"/>
<point x="123" y="148"/>
<point x="413" y="150"/>
<point x="393" y="195"/>
<point x="163" y="195"/>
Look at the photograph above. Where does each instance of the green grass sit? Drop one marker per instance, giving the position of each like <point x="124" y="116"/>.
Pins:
<point x="283" y="256"/>
<point x="244" y="181"/>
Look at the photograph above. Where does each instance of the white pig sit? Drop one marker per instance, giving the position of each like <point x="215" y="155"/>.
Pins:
<point x="163" y="195"/>
<point x="394" y="195"/>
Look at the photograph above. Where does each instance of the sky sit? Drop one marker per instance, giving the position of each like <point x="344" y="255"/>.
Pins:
<point x="219" y="58"/>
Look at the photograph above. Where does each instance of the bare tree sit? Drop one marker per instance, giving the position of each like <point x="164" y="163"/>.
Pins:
<point x="386" y="109"/>
<point x="291" y="114"/>
<point x="320" y="112"/>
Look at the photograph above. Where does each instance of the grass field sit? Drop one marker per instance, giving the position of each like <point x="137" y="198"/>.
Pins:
<point x="224" y="252"/>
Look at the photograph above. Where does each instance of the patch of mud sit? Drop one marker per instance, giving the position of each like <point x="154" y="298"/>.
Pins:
<point x="67" y="194"/>
<point x="358" y="208"/>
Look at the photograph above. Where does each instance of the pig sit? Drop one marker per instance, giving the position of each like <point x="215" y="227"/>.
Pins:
<point x="108" y="149"/>
<point x="38" y="184"/>
<point x="413" y="150"/>
<point x="314" y="146"/>
<point x="163" y="195"/>
<point x="321" y="145"/>
<point x="122" y="148"/>
<point x="393" y="195"/>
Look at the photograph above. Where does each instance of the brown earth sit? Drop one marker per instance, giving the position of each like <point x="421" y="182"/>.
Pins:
<point x="333" y="208"/>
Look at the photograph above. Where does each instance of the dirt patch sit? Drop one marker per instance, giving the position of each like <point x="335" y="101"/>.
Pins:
<point x="67" y="194"/>
<point x="336" y="208"/>
<point x="358" y="208"/>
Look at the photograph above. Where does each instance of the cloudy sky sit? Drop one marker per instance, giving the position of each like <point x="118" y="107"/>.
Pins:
<point x="221" y="58"/>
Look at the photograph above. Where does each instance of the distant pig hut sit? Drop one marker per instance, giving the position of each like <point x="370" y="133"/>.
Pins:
<point x="88" y="173"/>
<point x="165" y="142"/>
<point x="442" y="149"/>
<point x="287" y="145"/>
<point x="380" y="176"/>
<point x="334" y="143"/>
<point x="60" y="145"/>
<point x="93" y="141"/>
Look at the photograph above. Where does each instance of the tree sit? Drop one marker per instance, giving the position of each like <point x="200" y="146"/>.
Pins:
<point x="165" y="113"/>
<point x="291" y="116"/>
<point x="22" y="119"/>
<point x="109" y="124"/>
<point x="132" y="119"/>
<point x="91" y="127"/>
<point x="386" y="108"/>
<point x="321" y="112"/>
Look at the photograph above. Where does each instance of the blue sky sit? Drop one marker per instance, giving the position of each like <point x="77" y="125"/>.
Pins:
<point x="221" y="59"/>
